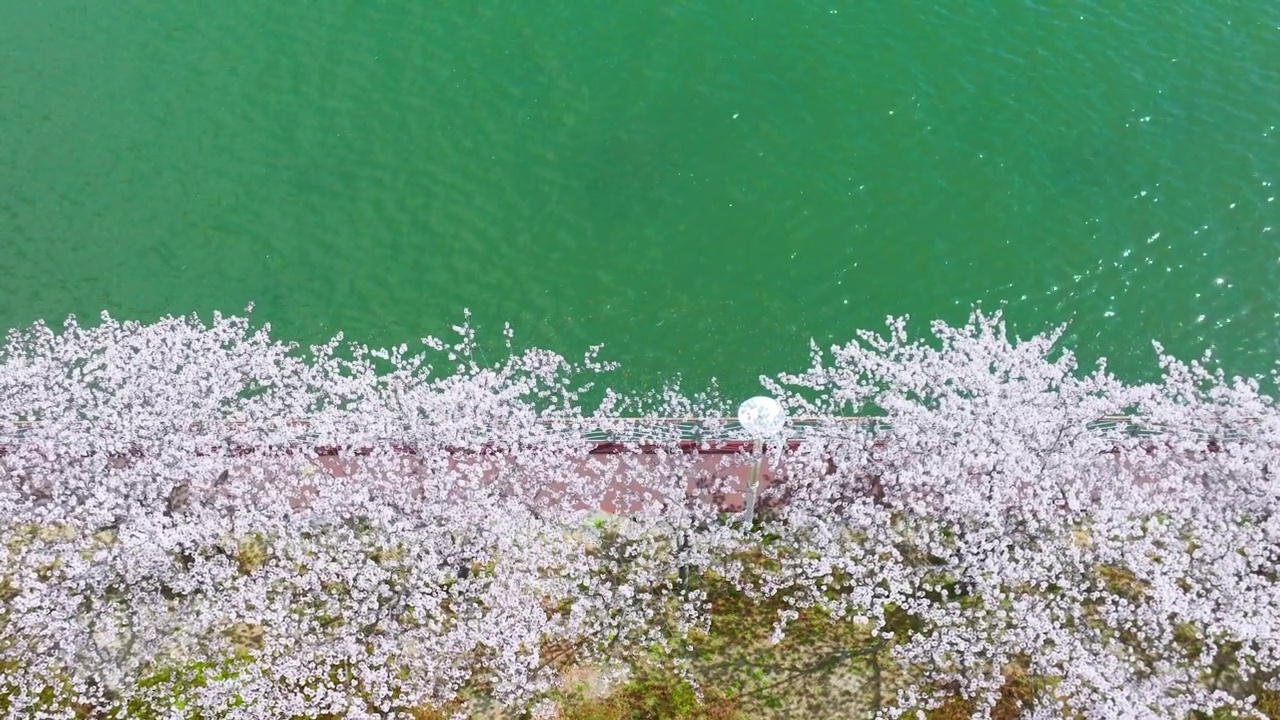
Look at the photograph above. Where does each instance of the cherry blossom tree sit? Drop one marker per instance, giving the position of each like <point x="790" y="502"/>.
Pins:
<point x="995" y="525"/>
<point x="173" y="538"/>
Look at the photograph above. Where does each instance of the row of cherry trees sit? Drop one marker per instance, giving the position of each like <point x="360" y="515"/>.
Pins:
<point x="991" y="526"/>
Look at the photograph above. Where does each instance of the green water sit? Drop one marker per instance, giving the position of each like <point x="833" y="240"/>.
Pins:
<point x="701" y="186"/>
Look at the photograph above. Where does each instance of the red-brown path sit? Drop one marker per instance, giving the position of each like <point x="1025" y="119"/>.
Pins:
<point x="726" y="464"/>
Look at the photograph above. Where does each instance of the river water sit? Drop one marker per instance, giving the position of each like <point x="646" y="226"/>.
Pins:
<point x="701" y="186"/>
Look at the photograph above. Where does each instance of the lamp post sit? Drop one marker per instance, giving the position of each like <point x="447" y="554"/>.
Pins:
<point x="763" y="418"/>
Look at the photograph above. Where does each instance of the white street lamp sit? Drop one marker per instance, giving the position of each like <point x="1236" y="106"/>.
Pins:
<point x="763" y="418"/>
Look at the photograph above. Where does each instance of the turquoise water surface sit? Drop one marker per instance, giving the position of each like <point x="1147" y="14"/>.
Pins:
<point x="701" y="186"/>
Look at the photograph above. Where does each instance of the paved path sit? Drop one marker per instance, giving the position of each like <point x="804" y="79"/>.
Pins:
<point x="727" y="466"/>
